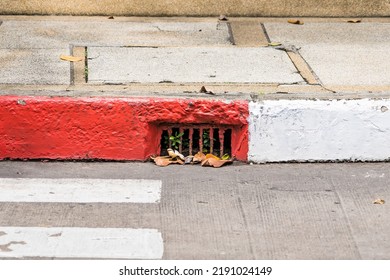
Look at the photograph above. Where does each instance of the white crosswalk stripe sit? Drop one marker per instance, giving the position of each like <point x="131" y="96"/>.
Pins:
<point x="80" y="242"/>
<point x="113" y="243"/>
<point x="79" y="190"/>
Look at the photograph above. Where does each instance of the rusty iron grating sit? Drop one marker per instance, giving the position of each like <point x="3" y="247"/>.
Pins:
<point x="191" y="138"/>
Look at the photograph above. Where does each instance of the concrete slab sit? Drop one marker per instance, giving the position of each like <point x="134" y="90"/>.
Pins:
<point x="349" y="64"/>
<point x="365" y="33"/>
<point x="340" y="53"/>
<point x="102" y="31"/>
<point x="37" y="67"/>
<point x="185" y="65"/>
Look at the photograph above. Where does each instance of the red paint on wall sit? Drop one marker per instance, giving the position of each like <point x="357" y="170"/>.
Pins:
<point x="107" y="128"/>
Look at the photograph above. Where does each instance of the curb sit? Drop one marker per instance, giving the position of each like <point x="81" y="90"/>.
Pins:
<point x="128" y="128"/>
<point x="107" y="128"/>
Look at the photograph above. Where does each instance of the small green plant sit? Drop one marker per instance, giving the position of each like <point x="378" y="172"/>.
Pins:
<point x="175" y="139"/>
<point x="206" y="141"/>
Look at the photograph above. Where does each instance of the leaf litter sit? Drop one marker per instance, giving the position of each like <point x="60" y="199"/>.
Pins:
<point x="174" y="157"/>
<point x="379" y="201"/>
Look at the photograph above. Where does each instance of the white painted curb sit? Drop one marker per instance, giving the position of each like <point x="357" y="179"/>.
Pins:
<point x="318" y="130"/>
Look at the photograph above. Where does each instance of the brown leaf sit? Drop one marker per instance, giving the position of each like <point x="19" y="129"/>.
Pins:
<point x="212" y="156"/>
<point x="162" y="161"/>
<point x="295" y="21"/>
<point x="110" y="17"/>
<point x="199" y="157"/>
<point x="71" y="58"/>
<point x="215" y="162"/>
<point x="379" y="201"/>
<point x="203" y="89"/>
<point x="354" y="20"/>
<point x="165" y="161"/>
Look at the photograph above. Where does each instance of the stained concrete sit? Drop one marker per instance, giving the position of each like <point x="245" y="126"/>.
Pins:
<point x="279" y="211"/>
<point x="34" y="66"/>
<point x="51" y="33"/>
<point x="364" y="33"/>
<point x="184" y="65"/>
<point x="327" y="8"/>
<point x="349" y="64"/>
<point x="340" y="53"/>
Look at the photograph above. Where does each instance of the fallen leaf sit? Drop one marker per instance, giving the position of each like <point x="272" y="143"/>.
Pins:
<point x="354" y="20"/>
<point x="110" y="17"/>
<point x="188" y="159"/>
<point x="171" y="153"/>
<point x="225" y="157"/>
<point x="179" y="155"/>
<point x="71" y="58"/>
<point x="274" y="44"/>
<point x="162" y="161"/>
<point x="212" y="156"/>
<point x="223" y="18"/>
<point x="379" y="201"/>
<point x="215" y="162"/>
<point x="199" y="157"/>
<point x="165" y="161"/>
<point x="295" y="21"/>
<point x="204" y="90"/>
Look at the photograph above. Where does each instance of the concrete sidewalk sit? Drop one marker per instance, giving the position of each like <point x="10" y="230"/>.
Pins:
<point x="317" y="91"/>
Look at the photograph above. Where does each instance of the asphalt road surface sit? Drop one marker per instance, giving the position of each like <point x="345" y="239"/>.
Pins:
<point x="140" y="211"/>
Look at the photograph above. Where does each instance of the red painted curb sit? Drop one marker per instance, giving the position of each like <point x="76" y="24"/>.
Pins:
<point x="107" y="128"/>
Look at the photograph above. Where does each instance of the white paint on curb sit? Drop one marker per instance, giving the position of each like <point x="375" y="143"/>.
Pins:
<point x="318" y="130"/>
<point x="79" y="190"/>
<point x="101" y="243"/>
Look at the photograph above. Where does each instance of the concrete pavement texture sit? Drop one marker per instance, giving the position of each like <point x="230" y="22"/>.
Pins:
<point x="278" y="8"/>
<point x="277" y="211"/>
<point x="318" y="91"/>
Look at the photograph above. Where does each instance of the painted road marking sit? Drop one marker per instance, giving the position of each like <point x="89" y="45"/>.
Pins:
<point x="65" y="242"/>
<point x="79" y="190"/>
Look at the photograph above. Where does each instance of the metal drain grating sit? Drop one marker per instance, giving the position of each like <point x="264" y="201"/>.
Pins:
<point x="191" y="138"/>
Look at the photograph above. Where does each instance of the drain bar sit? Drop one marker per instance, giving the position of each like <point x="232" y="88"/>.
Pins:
<point x="190" y="138"/>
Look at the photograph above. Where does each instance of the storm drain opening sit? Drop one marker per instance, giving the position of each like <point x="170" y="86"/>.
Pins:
<point x="191" y="139"/>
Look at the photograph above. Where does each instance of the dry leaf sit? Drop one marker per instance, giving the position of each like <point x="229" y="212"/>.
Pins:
<point x="295" y="21"/>
<point x="165" y="161"/>
<point x="188" y="159"/>
<point x="110" y="17"/>
<point x="215" y="162"/>
<point x="162" y="161"/>
<point x="204" y="90"/>
<point x="199" y="157"/>
<point x="171" y="153"/>
<point x="71" y="58"/>
<point x="212" y="156"/>
<point x="354" y="20"/>
<point x="179" y="155"/>
<point x="223" y="18"/>
<point x="274" y="44"/>
<point x="379" y="201"/>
